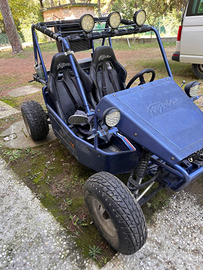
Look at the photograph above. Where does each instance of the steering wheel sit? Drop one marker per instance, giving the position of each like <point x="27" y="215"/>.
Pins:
<point x="141" y="77"/>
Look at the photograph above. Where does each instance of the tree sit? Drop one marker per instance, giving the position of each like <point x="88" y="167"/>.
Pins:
<point x="52" y="3"/>
<point x="41" y="3"/>
<point x="154" y="8"/>
<point x="125" y="7"/>
<point x="10" y="27"/>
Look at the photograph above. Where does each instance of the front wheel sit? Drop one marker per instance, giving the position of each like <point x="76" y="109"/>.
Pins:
<point x="198" y="70"/>
<point x="115" y="212"/>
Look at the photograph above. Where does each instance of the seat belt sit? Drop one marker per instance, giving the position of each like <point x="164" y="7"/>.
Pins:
<point x="103" y="84"/>
<point x="109" y="69"/>
<point x="70" y="94"/>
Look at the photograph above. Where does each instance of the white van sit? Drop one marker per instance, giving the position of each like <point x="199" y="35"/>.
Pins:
<point x="189" y="45"/>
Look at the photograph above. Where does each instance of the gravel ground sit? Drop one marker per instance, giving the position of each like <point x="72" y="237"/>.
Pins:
<point x="30" y="237"/>
<point x="175" y="241"/>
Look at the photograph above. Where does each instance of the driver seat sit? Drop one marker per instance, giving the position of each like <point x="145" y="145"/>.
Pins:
<point x="106" y="72"/>
<point x="63" y="89"/>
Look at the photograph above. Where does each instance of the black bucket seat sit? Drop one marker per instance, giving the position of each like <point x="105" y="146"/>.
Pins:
<point x="107" y="73"/>
<point x="63" y="88"/>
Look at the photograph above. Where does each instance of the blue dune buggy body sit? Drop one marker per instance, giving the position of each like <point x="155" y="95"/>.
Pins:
<point x="159" y="130"/>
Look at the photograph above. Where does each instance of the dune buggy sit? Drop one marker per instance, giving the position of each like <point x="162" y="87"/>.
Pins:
<point x="153" y="128"/>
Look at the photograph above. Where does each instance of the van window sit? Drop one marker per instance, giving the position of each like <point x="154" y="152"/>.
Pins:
<point x="195" y="8"/>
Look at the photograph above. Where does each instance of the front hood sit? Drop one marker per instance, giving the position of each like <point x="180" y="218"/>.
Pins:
<point x="160" y="117"/>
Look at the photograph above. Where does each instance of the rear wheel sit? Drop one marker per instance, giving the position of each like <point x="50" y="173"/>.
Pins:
<point x="35" y="120"/>
<point x="198" y="70"/>
<point x="115" y="212"/>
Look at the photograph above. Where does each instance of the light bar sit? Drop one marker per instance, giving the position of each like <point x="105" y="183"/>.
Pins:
<point x="114" y="19"/>
<point x="87" y="23"/>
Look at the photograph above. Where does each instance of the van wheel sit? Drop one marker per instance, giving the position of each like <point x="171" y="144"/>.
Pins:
<point x="35" y="120"/>
<point x="115" y="212"/>
<point x="198" y="70"/>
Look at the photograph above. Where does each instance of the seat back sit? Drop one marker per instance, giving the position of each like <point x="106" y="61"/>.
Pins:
<point x="63" y="88"/>
<point x="107" y="73"/>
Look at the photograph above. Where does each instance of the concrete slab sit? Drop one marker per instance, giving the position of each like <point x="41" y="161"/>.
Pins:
<point x="23" y="91"/>
<point x="16" y="136"/>
<point x="6" y="110"/>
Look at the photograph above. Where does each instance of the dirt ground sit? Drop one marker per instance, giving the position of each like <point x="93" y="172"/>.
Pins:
<point x="17" y="70"/>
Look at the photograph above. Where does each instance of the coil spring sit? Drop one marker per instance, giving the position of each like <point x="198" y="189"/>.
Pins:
<point x="143" y="164"/>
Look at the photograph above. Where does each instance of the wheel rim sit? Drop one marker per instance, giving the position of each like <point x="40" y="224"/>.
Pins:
<point x="200" y="68"/>
<point x="104" y="218"/>
<point x="27" y="125"/>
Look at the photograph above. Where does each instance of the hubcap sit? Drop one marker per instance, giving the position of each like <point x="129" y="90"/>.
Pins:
<point x="26" y="125"/>
<point x="104" y="218"/>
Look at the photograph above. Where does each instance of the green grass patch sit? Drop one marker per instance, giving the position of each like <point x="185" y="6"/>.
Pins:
<point x="180" y="71"/>
<point x="22" y="55"/>
<point x="118" y="44"/>
<point x="8" y="79"/>
<point x="28" y="51"/>
<point x="13" y="102"/>
<point x="123" y="45"/>
<point x="49" y="47"/>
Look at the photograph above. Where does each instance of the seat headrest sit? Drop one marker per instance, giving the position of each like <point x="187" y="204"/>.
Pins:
<point x="59" y="63"/>
<point x="103" y="54"/>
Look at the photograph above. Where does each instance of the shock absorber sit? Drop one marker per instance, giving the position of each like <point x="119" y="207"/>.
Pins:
<point x="142" y="165"/>
<point x="140" y="169"/>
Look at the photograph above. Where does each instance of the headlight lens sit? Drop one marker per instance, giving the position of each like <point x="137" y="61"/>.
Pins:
<point x="111" y="117"/>
<point x="87" y="23"/>
<point x="114" y="19"/>
<point x="139" y="17"/>
<point x="192" y="88"/>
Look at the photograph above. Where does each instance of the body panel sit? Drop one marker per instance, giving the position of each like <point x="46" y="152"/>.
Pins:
<point x="85" y="153"/>
<point x="159" y="116"/>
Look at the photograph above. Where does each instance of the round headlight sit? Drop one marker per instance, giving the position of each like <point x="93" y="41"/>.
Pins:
<point x="139" y="17"/>
<point x="111" y="117"/>
<point x="87" y="23"/>
<point x="114" y="19"/>
<point x="192" y="88"/>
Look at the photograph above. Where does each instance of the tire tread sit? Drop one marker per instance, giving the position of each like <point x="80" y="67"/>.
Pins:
<point x="127" y="210"/>
<point x="36" y="119"/>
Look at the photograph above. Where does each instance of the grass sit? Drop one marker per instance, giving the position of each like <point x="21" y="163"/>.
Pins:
<point x="22" y="55"/>
<point x="123" y="45"/>
<point x="117" y="45"/>
<point x="45" y="47"/>
<point x="8" y="79"/>
<point x="180" y="71"/>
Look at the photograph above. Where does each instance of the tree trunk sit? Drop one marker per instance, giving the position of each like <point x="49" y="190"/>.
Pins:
<point x="99" y="7"/>
<point x="41" y="4"/>
<point x="10" y="27"/>
<point x="52" y="3"/>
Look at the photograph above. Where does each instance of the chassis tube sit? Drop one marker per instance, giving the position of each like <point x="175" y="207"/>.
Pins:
<point x="163" y="52"/>
<point x="188" y="177"/>
<point x="37" y="50"/>
<point x="105" y="34"/>
<point x="72" y="62"/>
<point x="182" y="174"/>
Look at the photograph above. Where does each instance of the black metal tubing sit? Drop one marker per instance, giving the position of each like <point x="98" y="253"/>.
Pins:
<point x="145" y="199"/>
<point x="166" y="167"/>
<point x="42" y="27"/>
